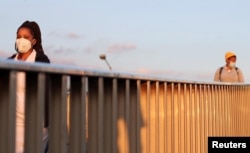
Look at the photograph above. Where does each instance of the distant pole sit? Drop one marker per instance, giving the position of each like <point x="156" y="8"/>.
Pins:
<point x="103" y="57"/>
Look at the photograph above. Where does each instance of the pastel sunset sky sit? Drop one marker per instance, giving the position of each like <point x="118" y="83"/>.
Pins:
<point x="174" y="38"/>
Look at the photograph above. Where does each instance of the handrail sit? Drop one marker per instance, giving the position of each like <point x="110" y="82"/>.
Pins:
<point x="76" y="70"/>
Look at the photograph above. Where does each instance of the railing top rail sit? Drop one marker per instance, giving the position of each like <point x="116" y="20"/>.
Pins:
<point x="76" y="70"/>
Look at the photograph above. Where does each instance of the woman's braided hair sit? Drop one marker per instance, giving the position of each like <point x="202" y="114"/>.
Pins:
<point x="35" y="31"/>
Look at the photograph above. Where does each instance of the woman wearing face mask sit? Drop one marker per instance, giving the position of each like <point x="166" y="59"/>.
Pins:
<point x="229" y="72"/>
<point x="29" y="49"/>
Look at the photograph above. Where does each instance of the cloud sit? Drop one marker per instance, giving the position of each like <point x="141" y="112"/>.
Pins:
<point x="48" y="48"/>
<point x="88" y="50"/>
<point x="5" y="54"/>
<point x="61" y="50"/>
<point x="69" y="35"/>
<point x="58" y="50"/>
<point x="116" y="48"/>
<point x="74" y="36"/>
<point x="102" y="46"/>
<point x="96" y="46"/>
<point x="54" y="34"/>
<point x="63" y="61"/>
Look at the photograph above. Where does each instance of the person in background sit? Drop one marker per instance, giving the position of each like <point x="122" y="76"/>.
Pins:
<point x="229" y="72"/>
<point x="29" y="48"/>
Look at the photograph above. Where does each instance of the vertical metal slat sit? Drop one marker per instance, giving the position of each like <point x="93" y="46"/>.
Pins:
<point x="157" y="116"/>
<point x="114" y="115"/>
<point x="100" y="114"/>
<point x="7" y="111"/>
<point x="77" y="127"/>
<point x="172" y="119"/>
<point x="165" y="101"/>
<point x="58" y="114"/>
<point x="148" y="116"/>
<point x="127" y="114"/>
<point x="138" y="116"/>
<point x="34" y="112"/>
<point x="191" y="118"/>
<point x="185" y="118"/>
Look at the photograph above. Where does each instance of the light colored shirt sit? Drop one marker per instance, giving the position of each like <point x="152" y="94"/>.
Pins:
<point x="226" y="75"/>
<point x="20" y="94"/>
<point x="20" y="105"/>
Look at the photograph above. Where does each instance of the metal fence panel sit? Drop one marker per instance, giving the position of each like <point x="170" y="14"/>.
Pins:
<point x="120" y="113"/>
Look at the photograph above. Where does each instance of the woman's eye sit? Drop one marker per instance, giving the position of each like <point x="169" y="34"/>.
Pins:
<point x="25" y="37"/>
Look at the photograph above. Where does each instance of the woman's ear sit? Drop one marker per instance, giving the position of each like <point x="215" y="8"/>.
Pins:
<point x="33" y="42"/>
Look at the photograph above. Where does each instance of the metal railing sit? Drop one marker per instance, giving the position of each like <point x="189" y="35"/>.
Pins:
<point x="108" y="112"/>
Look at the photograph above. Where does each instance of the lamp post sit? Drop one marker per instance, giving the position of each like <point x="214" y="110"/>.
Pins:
<point x="103" y="57"/>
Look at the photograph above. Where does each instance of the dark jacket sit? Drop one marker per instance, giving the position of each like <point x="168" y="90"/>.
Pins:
<point x="41" y="57"/>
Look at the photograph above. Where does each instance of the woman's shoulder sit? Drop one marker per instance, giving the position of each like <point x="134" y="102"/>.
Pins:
<point x="12" y="56"/>
<point x="41" y="57"/>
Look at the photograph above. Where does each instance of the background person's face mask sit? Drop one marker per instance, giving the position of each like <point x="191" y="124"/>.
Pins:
<point x="23" y="45"/>
<point x="232" y="64"/>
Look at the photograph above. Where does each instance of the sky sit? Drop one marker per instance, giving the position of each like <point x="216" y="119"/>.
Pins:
<point x="180" y="39"/>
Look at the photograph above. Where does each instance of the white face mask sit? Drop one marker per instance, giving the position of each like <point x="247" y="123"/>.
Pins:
<point x="23" y="45"/>
<point x="232" y="64"/>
